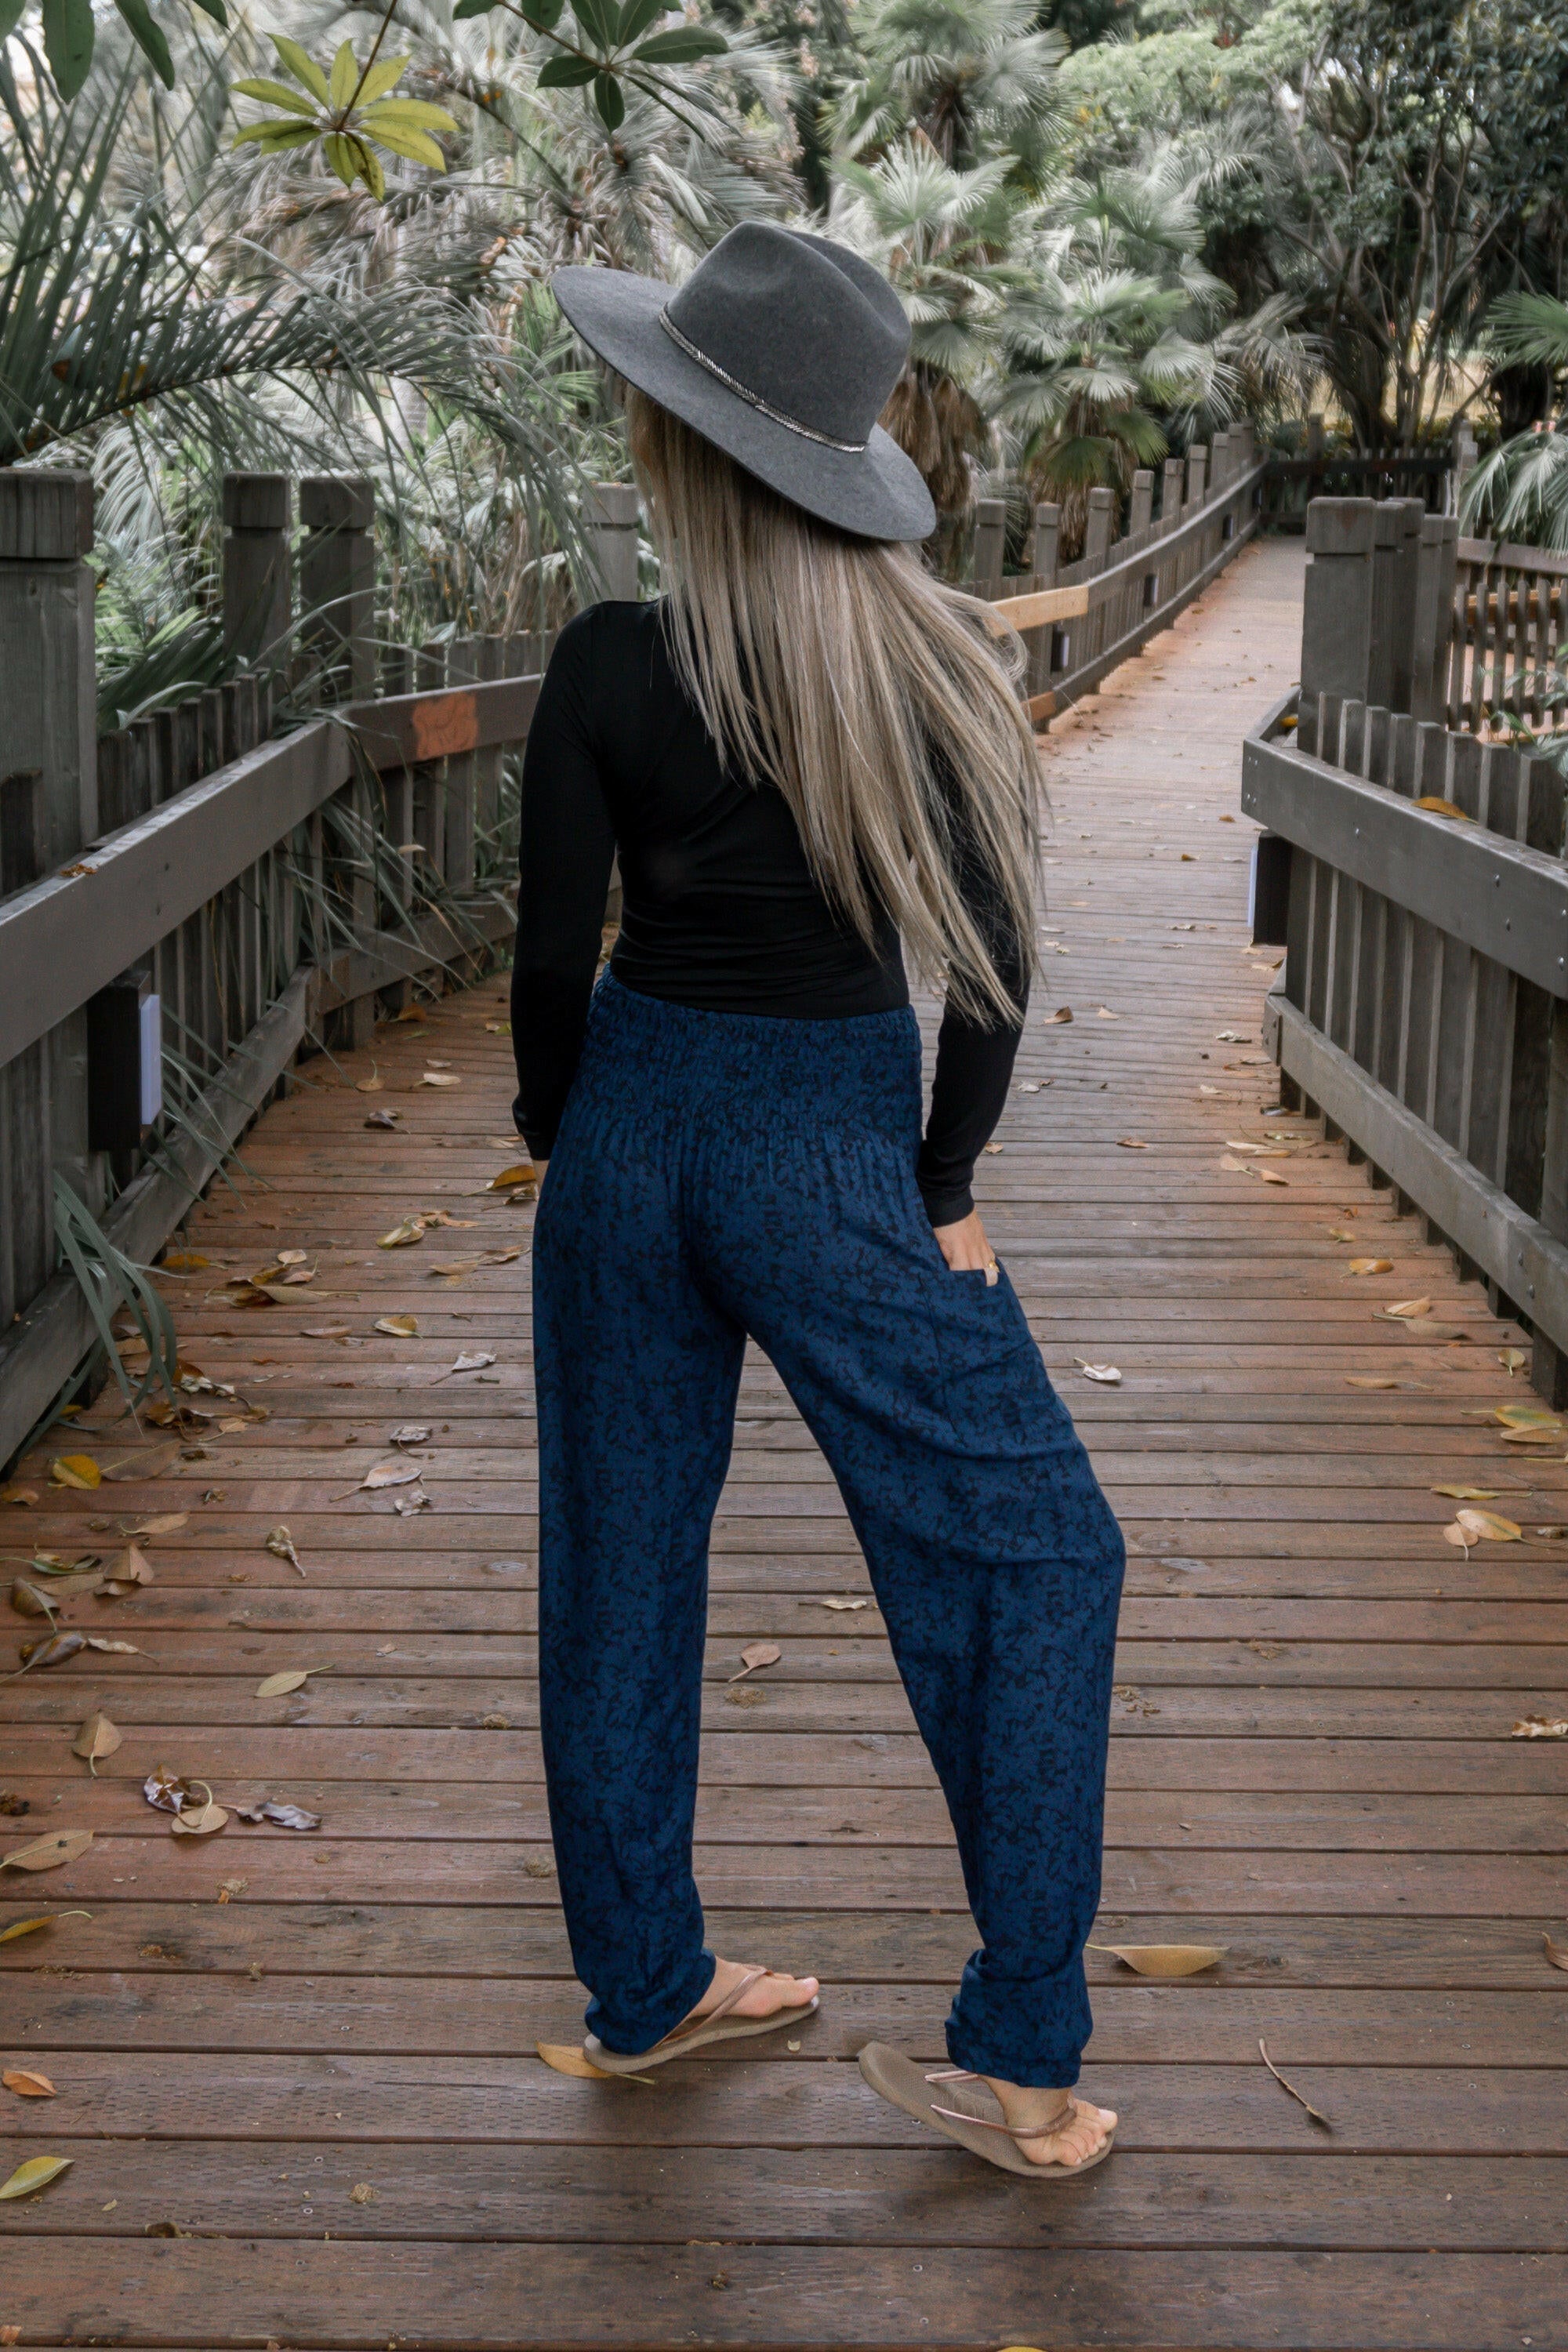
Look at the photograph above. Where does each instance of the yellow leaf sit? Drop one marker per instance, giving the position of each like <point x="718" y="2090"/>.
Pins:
<point x="416" y="147"/>
<point x="397" y="1327"/>
<point x="522" y="1171"/>
<point x="30" y="1927"/>
<point x="1513" y="1359"/>
<point x="1488" y="1526"/>
<point x="186" y="1261"/>
<point x="1370" y="1265"/>
<point x="36" y="2173"/>
<point x="1164" y="1960"/>
<point x="382" y="77"/>
<point x="1438" y="806"/>
<point x="1468" y="1494"/>
<point x="1408" y="1310"/>
<point x="27" y="2084"/>
<point x="373" y="1085"/>
<point x="76" y="1470"/>
<point x="344" y="75"/>
<point x="292" y="1678"/>
<point x="1527" y="1416"/>
<point x="302" y="66"/>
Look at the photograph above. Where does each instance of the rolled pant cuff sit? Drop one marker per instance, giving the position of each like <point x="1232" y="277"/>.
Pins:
<point x="1053" y="2072"/>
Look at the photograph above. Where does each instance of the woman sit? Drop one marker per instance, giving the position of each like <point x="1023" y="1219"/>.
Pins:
<point x="807" y="748"/>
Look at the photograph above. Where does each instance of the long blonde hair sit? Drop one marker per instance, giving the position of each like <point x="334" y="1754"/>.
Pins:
<point x="881" y="703"/>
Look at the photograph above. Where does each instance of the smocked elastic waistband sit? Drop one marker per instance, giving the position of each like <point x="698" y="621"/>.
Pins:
<point x="865" y="1067"/>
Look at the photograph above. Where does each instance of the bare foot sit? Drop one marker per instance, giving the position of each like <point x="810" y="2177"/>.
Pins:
<point x="1079" y="2130"/>
<point x="769" y="1994"/>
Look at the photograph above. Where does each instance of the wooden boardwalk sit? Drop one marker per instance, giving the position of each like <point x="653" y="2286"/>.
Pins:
<point x="294" y="2071"/>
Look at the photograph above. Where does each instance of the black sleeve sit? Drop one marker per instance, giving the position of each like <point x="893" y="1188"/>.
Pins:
<point x="567" y="848"/>
<point x="974" y="1064"/>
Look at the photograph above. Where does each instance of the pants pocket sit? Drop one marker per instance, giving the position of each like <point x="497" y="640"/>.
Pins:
<point x="993" y="1383"/>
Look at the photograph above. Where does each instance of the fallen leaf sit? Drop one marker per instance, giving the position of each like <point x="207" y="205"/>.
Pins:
<point x="1130" y="1143"/>
<point x="1062" y="1015"/>
<point x="1556" y="1953"/>
<point x="1103" y="1012"/>
<point x="1107" y="1375"/>
<point x="98" y="1737"/>
<point x="203" y="1821"/>
<point x="522" y="1171"/>
<point x="325" y="1331"/>
<point x="115" y="1649"/>
<point x="1552" y="1535"/>
<point x="1437" y="806"/>
<point x="227" y="1888"/>
<point x="474" y="1362"/>
<point x="1541" y="1726"/>
<point x="76" y="1470"/>
<point x="833" y="1600"/>
<point x="454" y="1269"/>
<point x="1408" y="1310"/>
<point x="49" y="1853"/>
<point x="384" y="1118"/>
<point x="27" y="2086"/>
<point x="27" y="1601"/>
<point x="280" y="1544"/>
<point x="1513" y="1359"/>
<point x="412" y="1433"/>
<point x="287" y="1817"/>
<point x="30" y="1927"/>
<point x="1482" y="1527"/>
<point x="168" y="1792"/>
<point x="1164" y="1960"/>
<point x="362" y="2192"/>
<point x="1232" y="1037"/>
<point x="567" y="2058"/>
<point x="166" y="1525"/>
<point x="1468" y="1494"/>
<point x="755" y="1655"/>
<point x="1233" y="1166"/>
<point x="403" y="1236"/>
<point x="1340" y="1234"/>
<point x="1370" y="1265"/>
<point x="36" y="2173"/>
<point x="397" y="1327"/>
<point x="1317" y="2117"/>
<point x="52" y="1652"/>
<point x="185" y="1262"/>
<point x="440" y="1078"/>
<point x="292" y="1678"/>
<point x="374" y="1084"/>
<point x="21" y="1498"/>
<point x="1271" y="1176"/>
<point x="390" y="1474"/>
<point x="1369" y="1381"/>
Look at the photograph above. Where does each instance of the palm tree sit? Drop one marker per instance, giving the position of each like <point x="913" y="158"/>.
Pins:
<point x="975" y="76"/>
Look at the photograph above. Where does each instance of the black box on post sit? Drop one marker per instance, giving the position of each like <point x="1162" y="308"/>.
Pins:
<point x="124" y="1061"/>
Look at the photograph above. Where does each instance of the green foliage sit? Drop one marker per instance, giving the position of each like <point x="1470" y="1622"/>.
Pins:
<point x="351" y="113"/>
<point x="70" y="33"/>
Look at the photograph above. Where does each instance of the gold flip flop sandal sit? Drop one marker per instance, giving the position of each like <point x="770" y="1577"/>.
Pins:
<point x="909" y="2087"/>
<point x="698" y="2032"/>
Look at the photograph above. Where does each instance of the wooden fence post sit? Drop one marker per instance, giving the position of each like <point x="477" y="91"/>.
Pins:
<point x="1314" y="442"/>
<point x="1548" y="1363"/>
<point x="1396" y="549"/>
<point x="1462" y="447"/>
<point x="1141" y="505"/>
<point x="1171" y="482"/>
<point x="1337" y="609"/>
<point x="1048" y="537"/>
<point x="989" y="543"/>
<point x="337" y="581"/>
<point x="612" y="538"/>
<point x="1436" y="572"/>
<point x="257" y="601"/>
<point x="1101" y="523"/>
<point x="1197" y="473"/>
<point x="48" y="811"/>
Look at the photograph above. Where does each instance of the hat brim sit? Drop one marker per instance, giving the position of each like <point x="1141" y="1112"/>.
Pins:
<point x="877" y="492"/>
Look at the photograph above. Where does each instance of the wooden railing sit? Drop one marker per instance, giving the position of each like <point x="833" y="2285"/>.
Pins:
<point x="1414" y="875"/>
<point x="272" y="894"/>
<point x="1079" y="620"/>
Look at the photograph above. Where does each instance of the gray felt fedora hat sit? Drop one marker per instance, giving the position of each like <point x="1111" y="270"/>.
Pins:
<point x="781" y="349"/>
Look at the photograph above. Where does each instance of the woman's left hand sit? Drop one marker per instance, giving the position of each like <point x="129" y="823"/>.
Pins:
<point x="965" y="1248"/>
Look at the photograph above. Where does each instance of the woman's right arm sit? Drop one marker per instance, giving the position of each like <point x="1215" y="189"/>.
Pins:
<point x="566" y="851"/>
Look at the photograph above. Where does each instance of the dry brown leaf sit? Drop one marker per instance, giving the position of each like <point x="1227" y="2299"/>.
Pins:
<point x="1318" y="2118"/>
<point x="1556" y="1953"/>
<point x="98" y="1737"/>
<point x="38" y="2170"/>
<point x="1525" y="1416"/>
<point x="292" y="1678"/>
<point x="755" y="1655"/>
<point x="30" y="1927"/>
<point x="1435" y="805"/>
<point x="21" y="1498"/>
<point x="1062" y="1015"/>
<point x="440" y="1078"/>
<point x="1407" y="1310"/>
<point x="1271" y="1176"/>
<point x="1369" y="1381"/>
<point x="1107" y="1375"/>
<point x="477" y="1359"/>
<point x="390" y="1474"/>
<point x="280" y="1544"/>
<point x="1164" y="1960"/>
<point x="522" y="1171"/>
<point x="1481" y="1527"/>
<point x="362" y="2193"/>
<point x="411" y="1434"/>
<point x="165" y="1524"/>
<point x="1468" y="1494"/>
<point x="374" y="1084"/>
<point x="76" y="1470"/>
<point x="27" y="1601"/>
<point x="203" y="1820"/>
<point x="184" y="1262"/>
<point x="51" y="1853"/>
<point x="1541" y="1726"/>
<point x="384" y="1118"/>
<point x="1370" y="1265"/>
<point x="53" y="1651"/>
<point x="567" y="2058"/>
<point x="27" y="2084"/>
<point x="404" y="1235"/>
<point x="1130" y="1143"/>
<point x="454" y="1269"/>
<point x="1104" y="1012"/>
<point x="116" y="1649"/>
<point x="1513" y="1359"/>
<point x="397" y="1327"/>
<point x="1340" y="1234"/>
<point x="834" y="1601"/>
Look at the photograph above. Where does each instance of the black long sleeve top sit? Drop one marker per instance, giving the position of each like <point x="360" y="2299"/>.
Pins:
<point x="719" y="908"/>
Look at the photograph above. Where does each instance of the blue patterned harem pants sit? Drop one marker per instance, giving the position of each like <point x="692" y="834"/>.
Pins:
<point x="717" y="1175"/>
